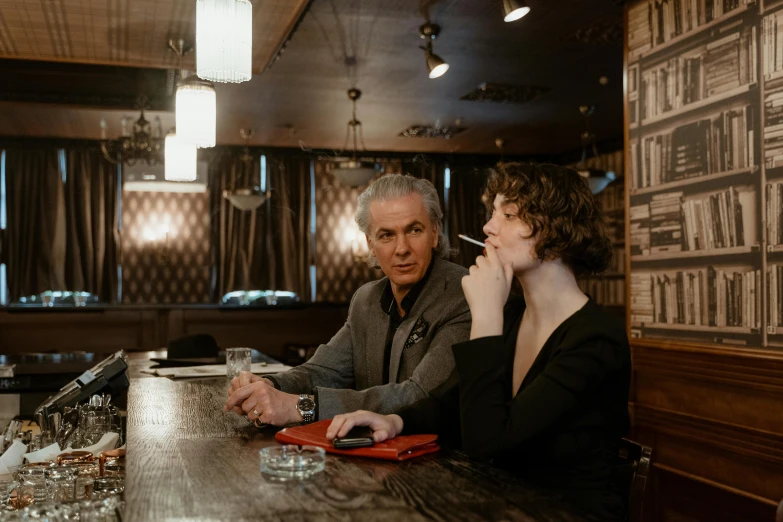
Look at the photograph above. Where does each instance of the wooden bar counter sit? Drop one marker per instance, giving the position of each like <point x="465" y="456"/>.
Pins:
<point x="188" y="460"/>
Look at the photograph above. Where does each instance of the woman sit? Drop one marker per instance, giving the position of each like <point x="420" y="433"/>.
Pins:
<point x="544" y="379"/>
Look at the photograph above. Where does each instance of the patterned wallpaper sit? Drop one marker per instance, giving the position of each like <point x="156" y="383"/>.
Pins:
<point x="338" y="274"/>
<point x="165" y="248"/>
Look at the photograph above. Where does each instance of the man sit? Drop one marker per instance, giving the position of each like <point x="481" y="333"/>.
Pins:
<point x="395" y="347"/>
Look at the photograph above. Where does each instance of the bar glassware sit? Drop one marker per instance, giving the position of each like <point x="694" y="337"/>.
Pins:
<point x="237" y="360"/>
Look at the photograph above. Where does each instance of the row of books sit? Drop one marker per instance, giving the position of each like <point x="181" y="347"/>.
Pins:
<point x="774" y="197"/>
<point x="612" y="197"/>
<point x="773" y="124"/>
<point x="639" y="30"/>
<point x="671" y="223"/>
<point x="708" y="146"/>
<point x="701" y="73"/>
<point x="775" y="295"/>
<point x="772" y="44"/>
<point x="606" y="292"/>
<point x="617" y="265"/>
<point x="616" y="224"/>
<point x="701" y="297"/>
<point x="656" y="22"/>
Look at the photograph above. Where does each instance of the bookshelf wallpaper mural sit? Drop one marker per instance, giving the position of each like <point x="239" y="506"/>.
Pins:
<point x="608" y="289"/>
<point x="705" y="151"/>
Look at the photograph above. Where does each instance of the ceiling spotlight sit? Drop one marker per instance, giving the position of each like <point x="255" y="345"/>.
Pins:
<point x="513" y="10"/>
<point x="436" y="65"/>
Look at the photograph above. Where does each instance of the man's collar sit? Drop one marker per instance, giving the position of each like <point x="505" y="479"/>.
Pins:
<point x="387" y="297"/>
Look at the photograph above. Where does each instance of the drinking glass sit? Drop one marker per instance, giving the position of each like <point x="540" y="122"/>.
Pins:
<point x="7" y="485"/>
<point x="95" y="424"/>
<point x="105" y="487"/>
<point x="32" y="485"/>
<point x="61" y="482"/>
<point x="237" y="360"/>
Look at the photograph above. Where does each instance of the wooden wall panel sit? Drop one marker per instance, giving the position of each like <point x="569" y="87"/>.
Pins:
<point x="267" y="330"/>
<point x="135" y="329"/>
<point x="713" y="418"/>
<point x="101" y="332"/>
<point x="684" y="498"/>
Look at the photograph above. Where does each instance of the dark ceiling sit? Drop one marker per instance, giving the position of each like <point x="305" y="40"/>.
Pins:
<point x="550" y="61"/>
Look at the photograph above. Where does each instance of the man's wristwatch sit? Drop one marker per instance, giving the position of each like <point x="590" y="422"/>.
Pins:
<point x="306" y="407"/>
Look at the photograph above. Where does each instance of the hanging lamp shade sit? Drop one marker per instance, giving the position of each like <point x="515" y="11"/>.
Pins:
<point x="513" y="10"/>
<point x="224" y="40"/>
<point x="354" y="173"/>
<point x="180" y="159"/>
<point x="597" y="179"/>
<point x="436" y="66"/>
<point x="246" y="198"/>
<point x="196" y="112"/>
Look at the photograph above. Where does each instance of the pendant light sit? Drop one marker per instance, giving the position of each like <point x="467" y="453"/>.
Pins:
<point x="354" y="172"/>
<point x="224" y="40"/>
<point x="248" y="197"/>
<point x="196" y="104"/>
<point x="181" y="159"/>
<point x="597" y="178"/>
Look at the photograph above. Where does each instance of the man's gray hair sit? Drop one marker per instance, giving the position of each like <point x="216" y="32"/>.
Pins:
<point x="393" y="186"/>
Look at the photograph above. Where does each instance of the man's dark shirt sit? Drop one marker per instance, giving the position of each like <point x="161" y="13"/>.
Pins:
<point x="388" y="304"/>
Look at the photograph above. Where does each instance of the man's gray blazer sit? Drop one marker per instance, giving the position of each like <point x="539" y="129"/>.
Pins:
<point x="346" y="374"/>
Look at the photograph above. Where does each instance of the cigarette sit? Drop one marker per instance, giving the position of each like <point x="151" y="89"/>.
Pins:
<point x="470" y="240"/>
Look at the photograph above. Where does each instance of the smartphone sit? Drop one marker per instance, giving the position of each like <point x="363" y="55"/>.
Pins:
<point x="358" y="437"/>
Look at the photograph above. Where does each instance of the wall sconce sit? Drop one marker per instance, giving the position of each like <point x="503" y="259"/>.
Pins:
<point x="357" y="242"/>
<point x="156" y="239"/>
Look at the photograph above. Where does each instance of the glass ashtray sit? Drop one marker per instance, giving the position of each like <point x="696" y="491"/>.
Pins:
<point x="291" y="461"/>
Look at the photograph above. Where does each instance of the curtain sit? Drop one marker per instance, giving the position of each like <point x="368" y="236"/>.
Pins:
<point x="466" y="213"/>
<point x="233" y="233"/>
<point x="425" y="168"/>
<point x="287" y="224"/>
<point x="91" y="224"/>
<point x="36" y="227"/>
<point x="267" y="248"/>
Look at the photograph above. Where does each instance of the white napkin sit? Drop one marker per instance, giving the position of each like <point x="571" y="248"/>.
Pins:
<point x="47" y="453"/>
<point x="13" y="456"/>
<point x="107" y="442"/>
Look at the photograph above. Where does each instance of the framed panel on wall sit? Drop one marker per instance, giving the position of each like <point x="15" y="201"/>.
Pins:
<point x="704" y="101"/>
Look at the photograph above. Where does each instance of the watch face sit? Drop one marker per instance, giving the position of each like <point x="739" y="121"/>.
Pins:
<point x="306" y="404"/>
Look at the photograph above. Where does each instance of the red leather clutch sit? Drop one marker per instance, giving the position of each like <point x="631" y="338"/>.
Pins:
<point x="400" y="448"/>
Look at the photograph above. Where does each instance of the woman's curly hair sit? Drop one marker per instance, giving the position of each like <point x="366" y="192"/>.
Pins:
<point x="557" y="204"/>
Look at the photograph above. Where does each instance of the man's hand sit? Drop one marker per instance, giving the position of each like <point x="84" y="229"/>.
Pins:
<point x="243" y="379"/>
<point x="260" y="400"/>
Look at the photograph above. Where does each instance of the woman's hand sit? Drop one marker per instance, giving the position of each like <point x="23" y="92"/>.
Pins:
<point x="486" y="290"/>
<point x="384" y="427"/>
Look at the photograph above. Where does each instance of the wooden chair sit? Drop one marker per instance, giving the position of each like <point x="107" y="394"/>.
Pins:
<point x="634" y="468"/>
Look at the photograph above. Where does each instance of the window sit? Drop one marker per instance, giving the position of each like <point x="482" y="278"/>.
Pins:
<point x="446" y="187"/>
<point x="312" y="230"/>
<point x="3" y="218"/>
